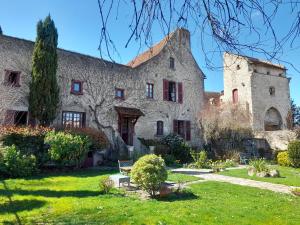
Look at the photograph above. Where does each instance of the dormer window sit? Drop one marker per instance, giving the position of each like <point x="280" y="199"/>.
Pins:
<point x="12" y="78"/>
<point x="172" y="63"/>
<point x="272" y="91"/>
<point x="76" y="87"/>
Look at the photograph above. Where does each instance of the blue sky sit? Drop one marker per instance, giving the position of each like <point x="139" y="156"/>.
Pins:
<point x="79" y="26"/>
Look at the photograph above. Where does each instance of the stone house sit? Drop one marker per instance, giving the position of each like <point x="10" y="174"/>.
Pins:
<point x="159" y="92"/>
<point x="261" y="87"/>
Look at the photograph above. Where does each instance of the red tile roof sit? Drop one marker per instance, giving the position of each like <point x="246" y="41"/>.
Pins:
<point x="151" y="52"/>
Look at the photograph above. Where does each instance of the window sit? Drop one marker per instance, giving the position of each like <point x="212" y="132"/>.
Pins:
<point x="235" y="96"/>
<point x="238" y="67"/>
<point x="76" y="87"/>
<point x="149" y="90"/>
<point x="172" y="92"/>
<point x="182" y="128"/>
<point x="119" y="94"/>
<point x="73" y="119"/>
<point x="12" y="78"/>
<point x="169" y="91"/>
<point x="272" y="91"/>
<point x="160" y="128"/>
<point x="17" y="118"/>
<point x="268" y="72"/>
<point x="172" y="63"/>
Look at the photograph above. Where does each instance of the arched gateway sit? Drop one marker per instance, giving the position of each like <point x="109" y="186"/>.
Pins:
<point x="273" y="120"/>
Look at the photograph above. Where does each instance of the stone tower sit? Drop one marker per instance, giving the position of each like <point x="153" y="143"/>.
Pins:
<point x="261" y="87"/>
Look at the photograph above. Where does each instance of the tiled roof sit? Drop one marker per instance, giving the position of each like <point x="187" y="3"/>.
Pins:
<point x="151" y="52"/>
<point x="129" y="111"/>
<point x="259" y="61"/>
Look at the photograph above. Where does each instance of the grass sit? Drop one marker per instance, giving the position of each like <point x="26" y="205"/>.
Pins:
<point x="73" y="198"/>
<point x="289" y="176"/>
<point x="177" y="177"/>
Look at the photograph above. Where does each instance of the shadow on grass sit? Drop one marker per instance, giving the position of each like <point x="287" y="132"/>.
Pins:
<point x="15" y="206"/>
<point x="181" y="196"/>
<point x="80" y="173"/>
<point x="50" y="193"/>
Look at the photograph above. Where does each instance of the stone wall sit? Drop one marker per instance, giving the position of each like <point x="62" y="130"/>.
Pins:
<point x="100" y="78"/>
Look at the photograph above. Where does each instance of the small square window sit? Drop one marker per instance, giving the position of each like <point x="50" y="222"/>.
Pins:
<point x="12" y="78"/>
<point x="268" y="72"/>
<point x="238" y="67"/>
<point x="149" y="90"/>
<point x="172" y="63"/>
<point x="119" y="93"/>
<point x="76" y="87"/>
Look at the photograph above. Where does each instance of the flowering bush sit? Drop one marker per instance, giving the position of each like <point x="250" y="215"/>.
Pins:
<point x="13" y="164"/>
<point x="67" y="149"/>
<point x="27" y="140"/>
<point x="283" y="159"/>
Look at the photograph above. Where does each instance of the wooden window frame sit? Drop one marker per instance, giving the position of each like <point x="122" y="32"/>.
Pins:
<point x="150" y="90"/>
<point x="122" y="91"/>
<point x="82" y="120"/>
<point x="169" y="92"/>
<point x="159" y="128"/>
<point x="80" y="92"/>
<point x="186" y="135"/>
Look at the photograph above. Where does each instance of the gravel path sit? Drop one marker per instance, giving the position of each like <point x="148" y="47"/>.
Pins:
<point x="246" y="182"/>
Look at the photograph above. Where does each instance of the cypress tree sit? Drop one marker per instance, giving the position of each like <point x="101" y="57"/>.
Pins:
<point x="44" y="90"/>
<point x="1" y="31"/>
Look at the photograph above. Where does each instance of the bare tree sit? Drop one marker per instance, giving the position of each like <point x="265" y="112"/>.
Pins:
<point x="227" y="124"/>
<point x="221" y="23"/>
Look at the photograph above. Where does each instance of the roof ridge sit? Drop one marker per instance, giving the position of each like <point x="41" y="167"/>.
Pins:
<point x="151" y="52"/>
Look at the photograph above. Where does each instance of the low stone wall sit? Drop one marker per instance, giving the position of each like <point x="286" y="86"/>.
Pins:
<point x="277" y="140"/>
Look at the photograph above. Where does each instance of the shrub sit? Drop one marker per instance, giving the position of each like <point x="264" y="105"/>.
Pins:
<point x="178" y="147"/>
<point x="217" y="166"/>
<point x="149" y="172"/>
<point x="28" y="140"/>
<point x="294" y="153"/>
<point x="98" y="138"/>
<point x="200" y="159"/>
<point x="105" y="185"/>
<point x="67" y="149"/>
<point x="169" y="159"/>
<point x="283" y="158"/>
<point x="259" y="165"/>
<point x="230" y="163"/>
<point x="13" y="164"/>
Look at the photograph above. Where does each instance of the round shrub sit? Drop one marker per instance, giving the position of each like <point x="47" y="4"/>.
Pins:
<point x="105" y="185"/>
<point x="283" y="159"/>
<point x="67" y="149"/>
<point x="294" y="153"/>
<point x="13" y="164"/>
<point x="149" y="172"/>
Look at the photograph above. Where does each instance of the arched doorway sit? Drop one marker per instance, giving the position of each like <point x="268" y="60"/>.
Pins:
<point x="273" y="120"/>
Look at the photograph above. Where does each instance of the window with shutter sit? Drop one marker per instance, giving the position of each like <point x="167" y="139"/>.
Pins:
<point x="160" y="128"/>
<point x="180" y="92"/>
<point x="175" y="126"/>
<point x="188" y="130"/>
<point x="166" y="90"/>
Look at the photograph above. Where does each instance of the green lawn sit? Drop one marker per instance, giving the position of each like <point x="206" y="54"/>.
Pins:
<point x="289" y="176"/>
<point x="73" y="198"/>
<point x="177" y="177"/>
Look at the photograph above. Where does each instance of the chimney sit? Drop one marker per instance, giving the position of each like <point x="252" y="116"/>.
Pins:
<point x="184" y="37"/>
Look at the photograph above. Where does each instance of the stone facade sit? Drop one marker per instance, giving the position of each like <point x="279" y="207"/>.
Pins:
<point x="101" y="79"/>
<point x="261" y="87"/>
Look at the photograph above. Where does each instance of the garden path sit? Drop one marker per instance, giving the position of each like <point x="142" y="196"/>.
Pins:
<point x="246" y="182"/>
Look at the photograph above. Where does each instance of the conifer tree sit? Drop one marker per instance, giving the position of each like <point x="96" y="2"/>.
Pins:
<point x="44" y="90"/>
<point x="1" y="32"/>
